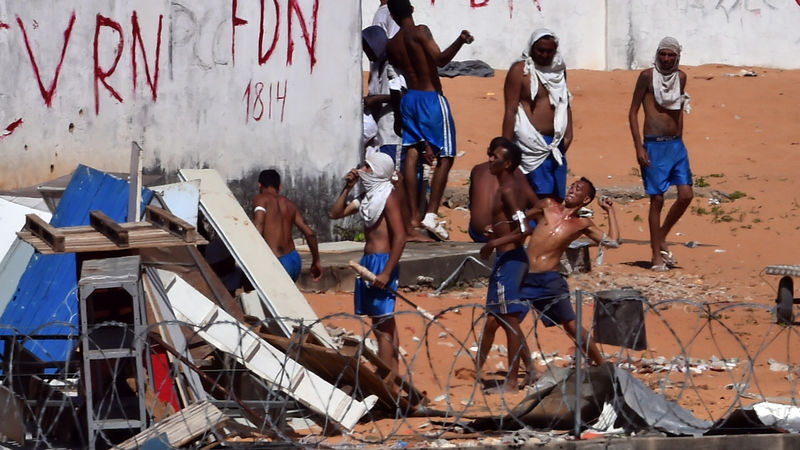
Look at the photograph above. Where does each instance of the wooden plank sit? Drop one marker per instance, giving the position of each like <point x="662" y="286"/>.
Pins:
<point x="13" y="424"/>
<point x="45" y="232"/>
<point x="135" y="183"/>
<point x="99" y="221"/>
<point x="171" y="223"/>
<point x="344" y="367"/>
<point x="227" y="334"/>
<point x="275" y="288"/>
<point x="86" y="239"/>
<point x="180" y="428"/>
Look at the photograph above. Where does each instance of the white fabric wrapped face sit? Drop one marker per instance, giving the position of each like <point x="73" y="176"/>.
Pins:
<point x="377" y="185"/>
<point x="666" y="81"/>
<point x="553" y="77"/>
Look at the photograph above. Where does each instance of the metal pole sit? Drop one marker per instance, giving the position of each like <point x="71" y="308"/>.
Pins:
<point x="578" y="361"/>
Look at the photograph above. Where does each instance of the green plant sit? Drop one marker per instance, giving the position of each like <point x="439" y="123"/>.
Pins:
<point x="699" y="210"/>
<point x="737" y="194"/>
<point x="637" y="218"/>
<point x="701" y="182"/>
<point x="716" y="175"/>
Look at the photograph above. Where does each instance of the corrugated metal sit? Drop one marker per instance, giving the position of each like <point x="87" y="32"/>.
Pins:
<point x="45" y="302"/>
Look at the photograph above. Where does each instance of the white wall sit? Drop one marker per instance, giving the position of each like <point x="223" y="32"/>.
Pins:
<point x="619" y="34"/>
<point x="502" y="27"/>
<point x="299" y="117"/>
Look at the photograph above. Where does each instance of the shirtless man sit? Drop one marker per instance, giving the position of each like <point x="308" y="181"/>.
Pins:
<point x="662" y="157"/>
<point x="385" y="239"/>
<point x="428" y="126"/>
<point x="559" y="225"/>
<point x="503" y="301"/>
<point x="275" y="215"/>
<point x="482" y="191"/>
<point x="537" y="114"/>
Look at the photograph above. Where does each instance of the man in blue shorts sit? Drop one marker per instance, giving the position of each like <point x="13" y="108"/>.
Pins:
<point x="662" y="157"/>
<point x="504" y="304"/>
<point x="274" y="216"/>
<point x="428" y="127"/>
<point x="558" y="225"/>
<point x="385" y="236"/>
<point x="538" y="116"/>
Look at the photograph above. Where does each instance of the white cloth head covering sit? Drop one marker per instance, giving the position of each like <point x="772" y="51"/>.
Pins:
<point x="666" y="81"/>
<point x="378" y="186"/>
<point x="553" y="77"/>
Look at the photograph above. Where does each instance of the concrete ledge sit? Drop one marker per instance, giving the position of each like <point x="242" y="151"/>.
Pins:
<point x="436" y="260"/>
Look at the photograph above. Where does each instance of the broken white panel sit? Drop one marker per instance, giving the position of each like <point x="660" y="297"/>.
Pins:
<point x="12" y="219"/>
<point x="168" y="325"/>
<point x="275" y="288"/>
<point x="181" y="199"/>
<point x="778" y="415"/>
<point x="225" y="333"/>
<point x="14" y="252"/>
<point x="12" y="266"/>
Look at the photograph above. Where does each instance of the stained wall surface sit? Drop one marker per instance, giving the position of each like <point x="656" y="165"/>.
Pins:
<point x="618" y="34"/>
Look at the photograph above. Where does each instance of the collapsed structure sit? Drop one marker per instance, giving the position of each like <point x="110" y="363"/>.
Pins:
<point x="126" y="322"/>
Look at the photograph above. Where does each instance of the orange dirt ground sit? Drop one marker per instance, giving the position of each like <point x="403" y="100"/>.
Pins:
<point x="742" y="137"/>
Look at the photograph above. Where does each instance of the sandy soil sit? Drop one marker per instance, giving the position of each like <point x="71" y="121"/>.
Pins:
<point x="742" y="138"/>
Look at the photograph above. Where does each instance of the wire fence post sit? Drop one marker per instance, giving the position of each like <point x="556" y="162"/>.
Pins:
<point x="578" y="361"/>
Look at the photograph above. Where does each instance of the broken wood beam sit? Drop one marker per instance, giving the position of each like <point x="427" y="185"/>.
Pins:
<point x="171" y="223"/>
<point x="109" y="228"/>
<point x="45" y="232"/>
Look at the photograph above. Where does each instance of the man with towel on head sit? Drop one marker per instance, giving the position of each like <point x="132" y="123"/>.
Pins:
<point x="537" y="114"/>
<point x="385" y="236"/>
<point x="662" y="157"/>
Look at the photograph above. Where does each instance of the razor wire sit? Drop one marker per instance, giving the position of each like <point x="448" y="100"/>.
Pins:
<point x="752" y="360"/>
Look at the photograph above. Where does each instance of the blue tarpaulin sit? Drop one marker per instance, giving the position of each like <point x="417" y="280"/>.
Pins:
<point x="46" y="300"/>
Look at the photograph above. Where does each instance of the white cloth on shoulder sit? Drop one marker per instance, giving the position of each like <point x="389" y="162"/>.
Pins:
<point x="667" y="82"/>
<point x="553" y="77"/>
<point x="377" y="186"/>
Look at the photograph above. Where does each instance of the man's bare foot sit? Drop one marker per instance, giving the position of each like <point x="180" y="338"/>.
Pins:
<point x="416" y="235"/>
<point x="530" y="378"/>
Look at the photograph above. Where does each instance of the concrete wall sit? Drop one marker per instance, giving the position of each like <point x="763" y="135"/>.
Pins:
<point x="619" y="34"/>
<point x="196" y="83"/>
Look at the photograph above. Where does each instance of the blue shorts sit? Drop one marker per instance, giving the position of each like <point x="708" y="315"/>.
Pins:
<point x="504" y="296"/>
<point x="549" y="294"/>
<point x="395" y="151"/>
<point x="371" y="301"/>
<point x="427" y="118"/>
<point x="477" y="236"/>
<point x="669" y="164"/>
<point x="550" y="179"/>
<point x="291" y="262"/>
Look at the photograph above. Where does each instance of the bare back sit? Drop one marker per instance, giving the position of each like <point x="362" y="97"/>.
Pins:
<point x="408" y="54"/>
<point x="659" y="121"/>
<point x="482" y="189"/>
<point x="556" y="228"/>
<point x="279" y="219"/>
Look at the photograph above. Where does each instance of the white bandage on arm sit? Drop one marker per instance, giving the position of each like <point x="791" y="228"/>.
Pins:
<point x="259" y="208"/>
<point x="610" y="243"/>
<point x="519" y="216"/>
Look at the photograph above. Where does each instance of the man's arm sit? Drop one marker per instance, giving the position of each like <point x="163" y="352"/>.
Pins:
<point x="610" y="239"/>
<point x="683" y="91"/>
<point x="511" y="96"/>
<point x="633" y="118"/>
<point x="441" y="58"/>
<point x="397" y="233"/>
<point x="340" y="207"/>
<point x="508" y="197"/>
<point x="260" y="216"/>
<point x="313" y="246"/>
<point x="568" y="132"/>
